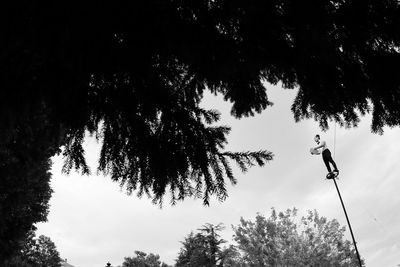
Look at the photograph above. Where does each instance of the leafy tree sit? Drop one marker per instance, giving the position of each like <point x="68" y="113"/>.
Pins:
<point x="36" y="252"/>
<point x="281" y="241"/>
<point x="143" y="260"/>
<point x="230" y="257"/>
<point x="45" y="253"/>
<point x="194" y="251"/>
<point x="133" y="74"/>
<point x="26" y="146"/>
<point x="205" y="249"/>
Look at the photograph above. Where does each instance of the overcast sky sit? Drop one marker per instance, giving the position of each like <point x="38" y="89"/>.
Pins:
<point x="92" y="221"/>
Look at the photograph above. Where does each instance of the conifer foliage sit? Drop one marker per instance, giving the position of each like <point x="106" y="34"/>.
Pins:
<point x="206" y="249"/>
<point x="35" y="252"/>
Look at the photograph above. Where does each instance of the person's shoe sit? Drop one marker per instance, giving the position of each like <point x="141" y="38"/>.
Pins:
<point x="336" y="174"/>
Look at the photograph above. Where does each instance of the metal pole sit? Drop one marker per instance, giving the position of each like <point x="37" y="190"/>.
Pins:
<point x="348" y="222"/>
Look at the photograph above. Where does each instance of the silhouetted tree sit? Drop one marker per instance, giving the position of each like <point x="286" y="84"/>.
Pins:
<point x="205" y="249"/>
<point x="193" y="252"/>
<point x="133" y="74"/>
<point x="36" y="252"/>
<point x="26" y="146"/>
<point x="280" y="240"/>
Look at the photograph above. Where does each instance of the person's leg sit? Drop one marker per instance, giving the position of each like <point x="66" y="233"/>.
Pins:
<point x="325" y="156"/>
<point x="334" y="165"/>
<point x="330" y="159"/>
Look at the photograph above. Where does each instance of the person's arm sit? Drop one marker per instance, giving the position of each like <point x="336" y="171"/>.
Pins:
<point x="314" y="151"/>
<point x="321" y="145"/>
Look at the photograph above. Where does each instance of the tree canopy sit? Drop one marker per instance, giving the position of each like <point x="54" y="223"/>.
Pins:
<point x="36" y="252"/>
<point x="142" y="259"/>
<point x="205" y="249"/>
<point x="133" y="74"/>
<point x="282" y="240"/>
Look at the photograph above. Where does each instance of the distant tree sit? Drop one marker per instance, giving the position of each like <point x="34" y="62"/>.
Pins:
<point x="230" y="257"/>
<point x="143" y="260"/>
<point x="36" y="252"/>
<point x="205" y="249"/>
<point x="194" y="252"/>
<point x="45" y="253"/>
<point x="281" y="241"/>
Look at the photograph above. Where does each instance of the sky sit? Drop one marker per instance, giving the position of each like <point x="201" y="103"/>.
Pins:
<point x="93" y="221"/>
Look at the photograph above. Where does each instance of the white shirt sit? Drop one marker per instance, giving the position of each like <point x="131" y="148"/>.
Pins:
<point x="323" y="144"/>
